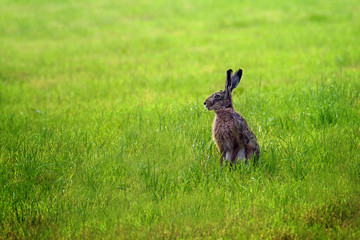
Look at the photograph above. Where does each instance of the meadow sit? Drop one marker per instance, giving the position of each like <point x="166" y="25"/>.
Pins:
<point x="103" y="133"/>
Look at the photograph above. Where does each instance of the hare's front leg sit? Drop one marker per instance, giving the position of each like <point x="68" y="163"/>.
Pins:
<point x="242" y="157"/>
<point x="238" y="152"/>
<point x="234" y="156"/>
<point x="238" y="155"/>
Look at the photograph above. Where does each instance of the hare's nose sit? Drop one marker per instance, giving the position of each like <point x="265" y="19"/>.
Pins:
<point x="204" y="103"/>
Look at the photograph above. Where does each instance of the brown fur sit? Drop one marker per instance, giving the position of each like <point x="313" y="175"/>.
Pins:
<point x="231" y="133"/>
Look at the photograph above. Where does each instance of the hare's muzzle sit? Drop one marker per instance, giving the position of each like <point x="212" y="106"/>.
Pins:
<point x="206" y="105"/>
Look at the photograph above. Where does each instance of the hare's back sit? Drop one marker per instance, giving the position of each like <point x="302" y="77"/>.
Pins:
<point x="243" y="128"/>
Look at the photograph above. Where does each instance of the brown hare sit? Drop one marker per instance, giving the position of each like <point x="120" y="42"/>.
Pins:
<point x="232" y="135"/>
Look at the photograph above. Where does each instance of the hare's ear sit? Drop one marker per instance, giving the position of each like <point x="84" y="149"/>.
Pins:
<point x="228" y="80"/>
<point x="228" y="83"/>
<point x="236" y="79"/>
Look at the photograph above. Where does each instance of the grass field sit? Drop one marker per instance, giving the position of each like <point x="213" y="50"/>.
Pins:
<point x="103" y="133"/>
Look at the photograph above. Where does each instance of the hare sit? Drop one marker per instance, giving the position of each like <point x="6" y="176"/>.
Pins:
<point x="232" y="135"/>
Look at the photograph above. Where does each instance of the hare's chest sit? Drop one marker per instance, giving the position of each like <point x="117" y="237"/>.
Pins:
<point x="223" y="133"/>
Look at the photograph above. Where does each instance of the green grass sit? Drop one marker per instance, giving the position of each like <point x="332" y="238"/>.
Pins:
<point x="103" y="133"/>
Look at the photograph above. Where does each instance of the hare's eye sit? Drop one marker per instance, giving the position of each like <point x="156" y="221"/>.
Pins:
<point x="217" y="96"/>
